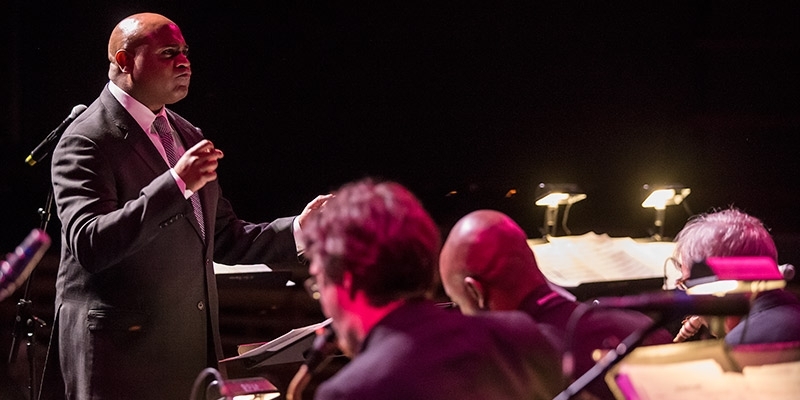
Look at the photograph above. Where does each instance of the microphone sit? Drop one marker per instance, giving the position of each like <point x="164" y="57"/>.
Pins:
<point x="323" y="346"/>
<point x="46" y="146"/>
<point x="19" y="264"/>
<point x="680" y="302"/>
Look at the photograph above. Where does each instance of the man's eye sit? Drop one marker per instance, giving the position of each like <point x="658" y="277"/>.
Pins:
<point x="174" y="52"/>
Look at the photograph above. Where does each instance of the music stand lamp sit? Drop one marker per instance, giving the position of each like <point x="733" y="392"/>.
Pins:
<point x="659" y="197"/>
<point x="553" y="195"/>
<point x="255" y="388"/>
<point x="722" y="275"/>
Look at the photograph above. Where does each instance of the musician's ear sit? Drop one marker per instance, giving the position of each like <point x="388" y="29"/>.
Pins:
<point x="476" y="292"/>
<point x="124" y="61"/>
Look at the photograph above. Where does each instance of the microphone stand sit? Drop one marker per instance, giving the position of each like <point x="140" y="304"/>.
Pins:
<point x="611" y="358"/>
<point x="25" y="323"/>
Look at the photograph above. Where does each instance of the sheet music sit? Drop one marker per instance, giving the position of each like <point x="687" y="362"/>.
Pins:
<point x="282" y="341"/>
<point x="240" y="269"/>
<point x="569" y="261"/>
<point x="706" y="379"/>
<point x="774" y="381"/>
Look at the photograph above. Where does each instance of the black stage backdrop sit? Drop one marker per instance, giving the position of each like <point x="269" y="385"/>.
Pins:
<point x="474" y="98"/>
<point x="481" y="100"/>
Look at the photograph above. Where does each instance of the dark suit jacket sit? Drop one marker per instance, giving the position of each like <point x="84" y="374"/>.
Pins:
<point x="136" y="297"/>
<point x="420" y="351"/>
<point x="774" y="317"/>
<point x="598" y="328"/>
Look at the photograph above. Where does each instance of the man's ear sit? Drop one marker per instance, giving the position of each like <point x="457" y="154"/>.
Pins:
<point x="124" y="60"/>
<point x="475" y="291"/>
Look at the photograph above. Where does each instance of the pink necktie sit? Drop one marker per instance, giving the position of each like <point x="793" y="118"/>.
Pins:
<point x="165" y="134"/>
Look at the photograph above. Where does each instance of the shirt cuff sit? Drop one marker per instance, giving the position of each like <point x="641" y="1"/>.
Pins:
<point x="298" y="237"/>
<point x="181" y="184"/>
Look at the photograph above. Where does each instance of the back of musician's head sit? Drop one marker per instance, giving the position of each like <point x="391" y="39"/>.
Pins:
<point x="724" y="233"/>
<point x="490" y="247"/>
<point x="379" y="232"/>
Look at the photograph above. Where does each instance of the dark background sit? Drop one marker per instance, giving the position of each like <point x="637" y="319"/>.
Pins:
<point x="474" y="97"/>
<point x="477" y="97"/>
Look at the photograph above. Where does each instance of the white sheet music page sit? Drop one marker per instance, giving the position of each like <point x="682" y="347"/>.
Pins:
<point x="702" y="379"/>
<point x="240" y="269"/>
<point x="569" y="261"/>
<point x="706" y="379"/>
<point x="774" y="381"/>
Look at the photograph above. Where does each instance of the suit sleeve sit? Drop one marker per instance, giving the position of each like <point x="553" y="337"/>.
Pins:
<point x="241" y="242"/>
<point x="103" y="221"/>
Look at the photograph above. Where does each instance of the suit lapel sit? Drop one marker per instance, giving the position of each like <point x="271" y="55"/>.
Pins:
<point x="132" y="134"/>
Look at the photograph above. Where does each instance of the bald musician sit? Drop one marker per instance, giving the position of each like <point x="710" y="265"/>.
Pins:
<point x="487" y="264"/>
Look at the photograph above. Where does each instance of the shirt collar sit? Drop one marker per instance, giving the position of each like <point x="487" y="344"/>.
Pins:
<point x="143" y="115"/>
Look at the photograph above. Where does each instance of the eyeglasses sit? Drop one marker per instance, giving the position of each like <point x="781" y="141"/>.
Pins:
<point x="312" y="287"/>
<point x="678" y="266"/>
<point x="675" y="263"/>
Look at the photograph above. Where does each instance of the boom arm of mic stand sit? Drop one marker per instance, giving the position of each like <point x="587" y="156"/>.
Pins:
<point x="610" y="359"/>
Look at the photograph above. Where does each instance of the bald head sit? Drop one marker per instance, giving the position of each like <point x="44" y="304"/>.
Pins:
<point x="148" y="59"/>
<point x="489" y="248"/>
<point x="131" y="31"/>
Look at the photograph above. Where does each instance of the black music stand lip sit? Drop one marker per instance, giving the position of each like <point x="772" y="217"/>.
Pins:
<point x="262" y="279"/>
<point x="590" y="290"/>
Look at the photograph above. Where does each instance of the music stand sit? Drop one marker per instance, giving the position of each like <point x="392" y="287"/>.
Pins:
<point x="704" y="368"/>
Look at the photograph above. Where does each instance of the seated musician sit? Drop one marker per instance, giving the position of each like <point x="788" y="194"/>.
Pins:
<point x="374" y="254"/>
<point x="487" y="264"/>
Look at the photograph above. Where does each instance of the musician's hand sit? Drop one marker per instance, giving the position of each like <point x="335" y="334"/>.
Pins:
<point x="689" y="327"/>
<point x="198" y="165"/>
<point x="315" y="206"/>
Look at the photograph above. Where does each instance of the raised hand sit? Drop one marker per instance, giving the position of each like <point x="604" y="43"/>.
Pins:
<point x="198" y="165"/>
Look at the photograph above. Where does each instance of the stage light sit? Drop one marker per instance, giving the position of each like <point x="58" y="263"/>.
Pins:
<point x="553" y="195"/>
<point x="723" y="275"/>
<point x="659" y="197"/>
